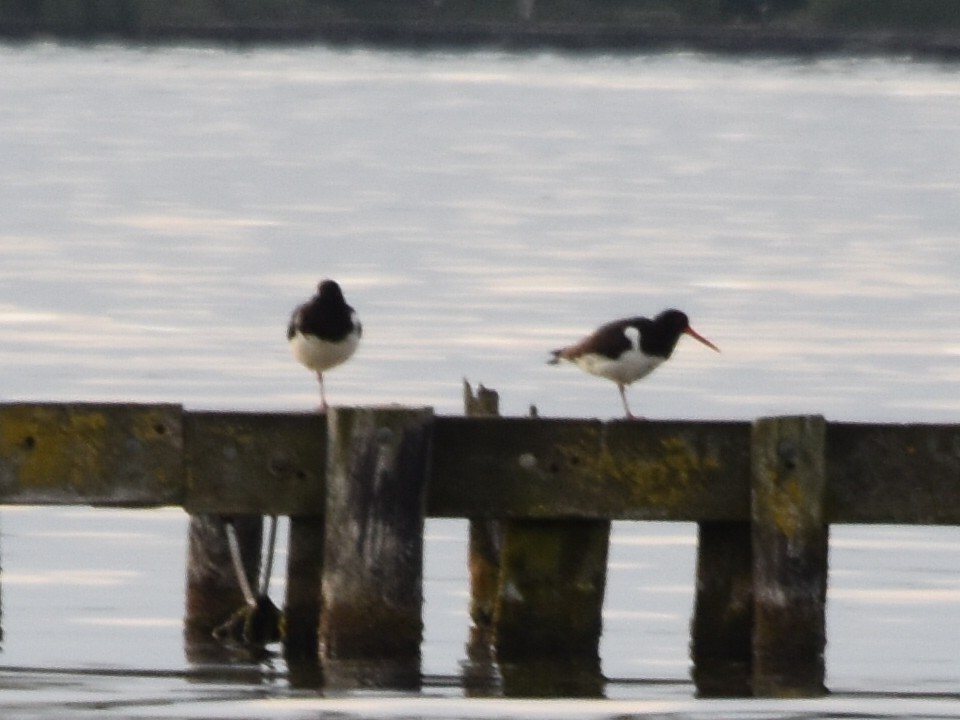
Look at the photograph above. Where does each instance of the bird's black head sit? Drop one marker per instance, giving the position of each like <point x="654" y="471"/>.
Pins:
<point x="659" y="336"/>
<point x="673" y="322"/>
<point x="329" y="291"/>
<point x="668" y="326"/>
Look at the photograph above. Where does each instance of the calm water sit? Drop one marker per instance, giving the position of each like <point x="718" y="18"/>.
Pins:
<point x="161" y="211"/>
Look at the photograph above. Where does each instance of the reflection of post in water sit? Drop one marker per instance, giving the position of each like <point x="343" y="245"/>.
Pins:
<point x="537" y="591"/>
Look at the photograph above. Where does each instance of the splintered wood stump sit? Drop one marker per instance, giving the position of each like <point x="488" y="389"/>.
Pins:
<point x="372" y="620"/>
<point x="485" y="535"/>
<point x="790" y="535"/>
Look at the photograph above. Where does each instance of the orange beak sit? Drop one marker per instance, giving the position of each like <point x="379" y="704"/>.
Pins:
<point x="697" y="336"/>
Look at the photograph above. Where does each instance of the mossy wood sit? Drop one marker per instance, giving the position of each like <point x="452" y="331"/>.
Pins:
<point x="538" y="468"/>
<point x="134" y="455"/>
<point x="550" y="596"/>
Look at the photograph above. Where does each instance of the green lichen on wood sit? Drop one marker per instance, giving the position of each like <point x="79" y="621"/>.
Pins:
<point x="655" y="477"/>
<point x="670" y="480"/>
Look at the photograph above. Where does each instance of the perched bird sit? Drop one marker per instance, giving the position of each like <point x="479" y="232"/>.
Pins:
<point x="324" y="332"/>
<point x="629" y="349"/>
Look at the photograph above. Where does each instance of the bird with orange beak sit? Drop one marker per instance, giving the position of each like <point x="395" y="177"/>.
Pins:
<point x="628" y="350"/>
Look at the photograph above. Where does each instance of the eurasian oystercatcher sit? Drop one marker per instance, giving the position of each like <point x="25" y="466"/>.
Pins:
<point x="627" y="350"/>
<point x="324" y="332"/>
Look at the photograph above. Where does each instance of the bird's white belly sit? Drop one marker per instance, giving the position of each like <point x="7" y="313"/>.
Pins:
<point x="321" y="355"/>
<point x="628" y="368"/>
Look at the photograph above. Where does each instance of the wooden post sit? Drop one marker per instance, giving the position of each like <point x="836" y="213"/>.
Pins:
<point x="302" y="606"/>
<point x="722" y="627"/>
<point x="790" y="536"/>
<point x="551" y="589"/>
<point x="1" y="606"/>
<point x="213" y="592"/>
<point x="548" y="617"/>
<point x="372" y="622"/>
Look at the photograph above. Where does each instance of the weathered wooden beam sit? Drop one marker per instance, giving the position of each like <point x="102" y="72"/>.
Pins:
<point x="372" y="584"/>
<point x="513" y="467"/>
<point x="676" y="470"/>
<point x="518" y="467"/>
<point x="149" y="455"/>
<point x="893" y="473"/>
<point x="91" y="453"/>
<point x="259" y="463"/>
<point x="790" y="536"/>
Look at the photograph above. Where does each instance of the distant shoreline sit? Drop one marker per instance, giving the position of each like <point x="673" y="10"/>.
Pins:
<point x="518" y="36"/>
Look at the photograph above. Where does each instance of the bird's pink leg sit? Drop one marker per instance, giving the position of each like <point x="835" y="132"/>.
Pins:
<point x="623" y="396"/>
<point x="323" y="397"/>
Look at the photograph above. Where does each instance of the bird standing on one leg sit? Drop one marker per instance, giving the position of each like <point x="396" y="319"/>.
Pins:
<point x="324" y="332"/>
<point x="627" y="350"/>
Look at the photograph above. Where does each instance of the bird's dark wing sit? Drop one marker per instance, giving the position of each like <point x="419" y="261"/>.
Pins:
<point x="608" y="340"/>
<point x="294" y="324"/>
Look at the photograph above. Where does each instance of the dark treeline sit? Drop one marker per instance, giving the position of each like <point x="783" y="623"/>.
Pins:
<point x="897" y="25"/>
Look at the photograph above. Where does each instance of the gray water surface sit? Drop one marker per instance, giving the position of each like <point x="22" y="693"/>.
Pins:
<point x="162" y="210"/>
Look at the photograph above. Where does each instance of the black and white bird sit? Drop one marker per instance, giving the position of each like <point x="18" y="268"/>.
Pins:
<point x="627" y="350"/>
<point x="324" y="332"/>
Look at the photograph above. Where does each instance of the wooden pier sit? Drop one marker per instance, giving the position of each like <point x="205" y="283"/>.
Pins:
<point x="540" y="494"/>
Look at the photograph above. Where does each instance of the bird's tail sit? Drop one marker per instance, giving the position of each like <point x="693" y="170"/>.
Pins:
<point x="557" y="356"/>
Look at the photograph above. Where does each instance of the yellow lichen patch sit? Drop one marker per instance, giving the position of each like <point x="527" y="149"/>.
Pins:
<point x="784" y="503"/>
<point x="667" y="481"/>
<point x="52" y="448"/>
